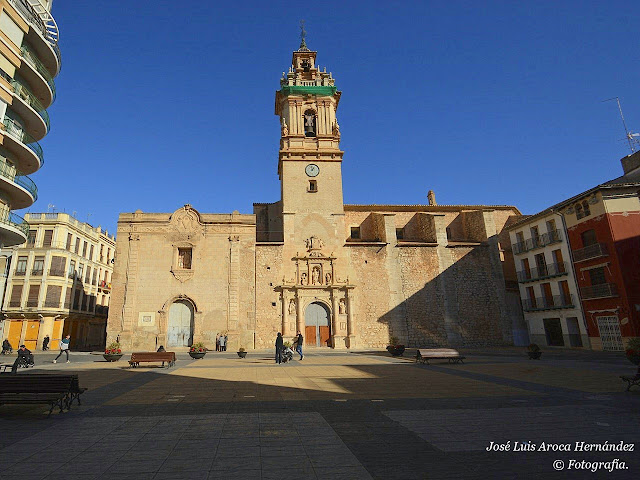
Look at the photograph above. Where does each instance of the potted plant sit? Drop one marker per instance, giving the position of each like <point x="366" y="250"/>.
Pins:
<point x="394" y="347"/>
<point x="633" y="352"/>
<point x="533" y="350"/>
<point x="242" y="352"/>
<point x="197" y="350"/>
<point x="112" y="353"/>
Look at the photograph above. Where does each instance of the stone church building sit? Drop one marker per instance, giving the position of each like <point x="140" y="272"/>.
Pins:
<point x="347" y="276"/>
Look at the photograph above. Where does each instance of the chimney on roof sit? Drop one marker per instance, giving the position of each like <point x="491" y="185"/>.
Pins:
<point x="432" y="198"/>
<point x="630" y="162"/>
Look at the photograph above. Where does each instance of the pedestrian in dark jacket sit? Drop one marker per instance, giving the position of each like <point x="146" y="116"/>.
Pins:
<point x="279" y="347"/>
<point x="299" y="343"/>
<point x="25" y="358"/>
<point x="45" y="343"/>
<point x="6" y="347"/>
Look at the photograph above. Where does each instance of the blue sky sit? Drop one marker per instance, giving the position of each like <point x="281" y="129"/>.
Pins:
<point x="166" y="103"/>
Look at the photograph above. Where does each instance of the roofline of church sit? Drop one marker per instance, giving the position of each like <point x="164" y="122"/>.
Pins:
<point x="431" y="208"/>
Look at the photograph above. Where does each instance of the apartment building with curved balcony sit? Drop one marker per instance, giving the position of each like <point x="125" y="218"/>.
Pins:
<point x="58" y="283"/>
<point x="29" y="62"/>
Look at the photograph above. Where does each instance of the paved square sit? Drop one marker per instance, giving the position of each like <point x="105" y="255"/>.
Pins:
<point x="334" y="415"/>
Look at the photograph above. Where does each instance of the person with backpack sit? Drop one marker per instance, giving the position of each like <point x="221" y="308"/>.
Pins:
<point x="64" y="347"/>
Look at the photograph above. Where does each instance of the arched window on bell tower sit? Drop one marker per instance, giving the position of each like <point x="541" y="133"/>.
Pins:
<point x="309" y="123"/>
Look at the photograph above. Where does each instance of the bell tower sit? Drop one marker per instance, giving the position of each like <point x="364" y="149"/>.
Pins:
<point x="309" y="160"/>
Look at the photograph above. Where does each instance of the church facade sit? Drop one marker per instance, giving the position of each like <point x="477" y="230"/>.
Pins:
<point x="346" y="276"/>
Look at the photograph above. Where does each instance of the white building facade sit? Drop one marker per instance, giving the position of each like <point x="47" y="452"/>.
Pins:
<point x="548" y="289"/>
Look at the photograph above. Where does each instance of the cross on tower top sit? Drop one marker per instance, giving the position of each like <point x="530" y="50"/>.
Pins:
<point x="303" y="36"/>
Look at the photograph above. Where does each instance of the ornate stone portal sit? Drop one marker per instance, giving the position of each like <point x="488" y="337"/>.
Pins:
<point x="316" y="281"/>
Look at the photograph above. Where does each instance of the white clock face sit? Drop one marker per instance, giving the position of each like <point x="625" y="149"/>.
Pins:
<point x="312" y="170"/>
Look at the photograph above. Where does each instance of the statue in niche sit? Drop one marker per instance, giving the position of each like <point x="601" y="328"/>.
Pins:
<point x="292" y="306"/>
<point x="336" y="129"/>
<point x="342" y="306"/>
<point x="327" y="279"/>
<point x="315" y="275"/>
<point x="303" y="278"/>
<point x="284" y="129"/>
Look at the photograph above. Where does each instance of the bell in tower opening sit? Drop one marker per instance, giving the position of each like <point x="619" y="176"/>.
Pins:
<point x="310" y="123"/>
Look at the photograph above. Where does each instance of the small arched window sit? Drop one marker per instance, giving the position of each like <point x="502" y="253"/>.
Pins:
<point x="579" y="213"/>
<point x="585" y="207"/>
<point x="309" y="123"/>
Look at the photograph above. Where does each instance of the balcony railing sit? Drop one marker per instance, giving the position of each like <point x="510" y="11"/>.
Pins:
<point x="537" y="242"/>
<point x="592" y="251"/>
<point x="20" y="273"/>
<point x="15" y="130"/>
<point x="15" y="176"/>
<point x="546" y="271"/>
<point x="25" y="94"/>
<point x="604" y="290"/>
<point x="16" y="221"/>
<point x="56" y="273"/>
<point x="35" y="62"/>
<point x="37" y="272"/>
<point x="548" y="303"/>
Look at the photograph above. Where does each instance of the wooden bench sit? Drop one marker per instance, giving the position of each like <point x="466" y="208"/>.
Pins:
<point x="74" y="392"/>
<point x="631" y="380"/>
<point x="28" y="389"/>
<point x="138" y="357"/>
<point x="425" y="354"/>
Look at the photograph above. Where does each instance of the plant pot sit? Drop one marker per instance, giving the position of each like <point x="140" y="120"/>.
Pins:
<point x="534" y="355"/>
<point x="242" y="354"/>
<point x="112" y="357"/>
<point x="395" y="350"/>
<point x="197" y="355"/>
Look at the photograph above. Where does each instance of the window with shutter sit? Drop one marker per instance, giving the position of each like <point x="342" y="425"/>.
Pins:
<point x="48" y="236"/>
<point x="52" y="298"/>
<point x="88" y="275"/>
<point x="57" y="266"/>
<point x="21" y="266"/>
<point x="84" y="249"/>
<point x="16" y="296"/>
<point x="77" y="245"/>
<point x="34" y="292"/>
<point x="31" y="241"/>
<point x="67" y="297"/>
<point x="69" y="239"/>
<point x="91" y="253"/>
<point x="94" y="278"/>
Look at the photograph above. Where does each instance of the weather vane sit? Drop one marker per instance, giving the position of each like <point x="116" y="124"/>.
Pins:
<point x="303" y="35"/>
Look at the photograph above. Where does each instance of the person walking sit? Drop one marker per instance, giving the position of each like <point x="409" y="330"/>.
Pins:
<point x="6" y="347"/>
<point x="222" y="341"/>
<point x="217" y="342"/>
<point x="45" y="344"/>
<point x="64" y="347"/>
<point x="226" y="341"/>
<point x="279" y="347"/>
<point x="299" y="343"/>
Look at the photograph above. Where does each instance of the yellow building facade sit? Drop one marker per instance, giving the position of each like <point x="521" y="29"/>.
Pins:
<point x="346" y="276"/>
<point x="58" y="283"/>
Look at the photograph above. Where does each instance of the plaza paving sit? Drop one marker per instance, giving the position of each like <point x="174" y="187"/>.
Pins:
<point x="334" y="415"/>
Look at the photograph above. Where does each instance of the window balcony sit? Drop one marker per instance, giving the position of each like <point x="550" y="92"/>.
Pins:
<point x="548" y="271"/>
<point x="604" y="290"/>
<point x="29" y="108"/>
<point x="38" y="76"/>
<point x="592" y="251"/>
<point x="13" y="229"/>
<point x="37" y="272"/>
<point x="20" y="188"/>
<point x="548" y="303"/>
<point x="540" y="241"/>
<point x="27" y="153"/>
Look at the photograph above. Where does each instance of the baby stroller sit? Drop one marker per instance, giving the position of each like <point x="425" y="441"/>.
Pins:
<point x="287" y="355"/>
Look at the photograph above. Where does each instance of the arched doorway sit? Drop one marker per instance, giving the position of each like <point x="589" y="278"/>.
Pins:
<point x="316" y="320"/>
<point x="180" y="331"/>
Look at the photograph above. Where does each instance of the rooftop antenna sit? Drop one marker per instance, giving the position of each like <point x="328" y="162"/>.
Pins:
<point x="632" y="138"/>
<point x="74" y="214"/>
<point x="51" y="206"/>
